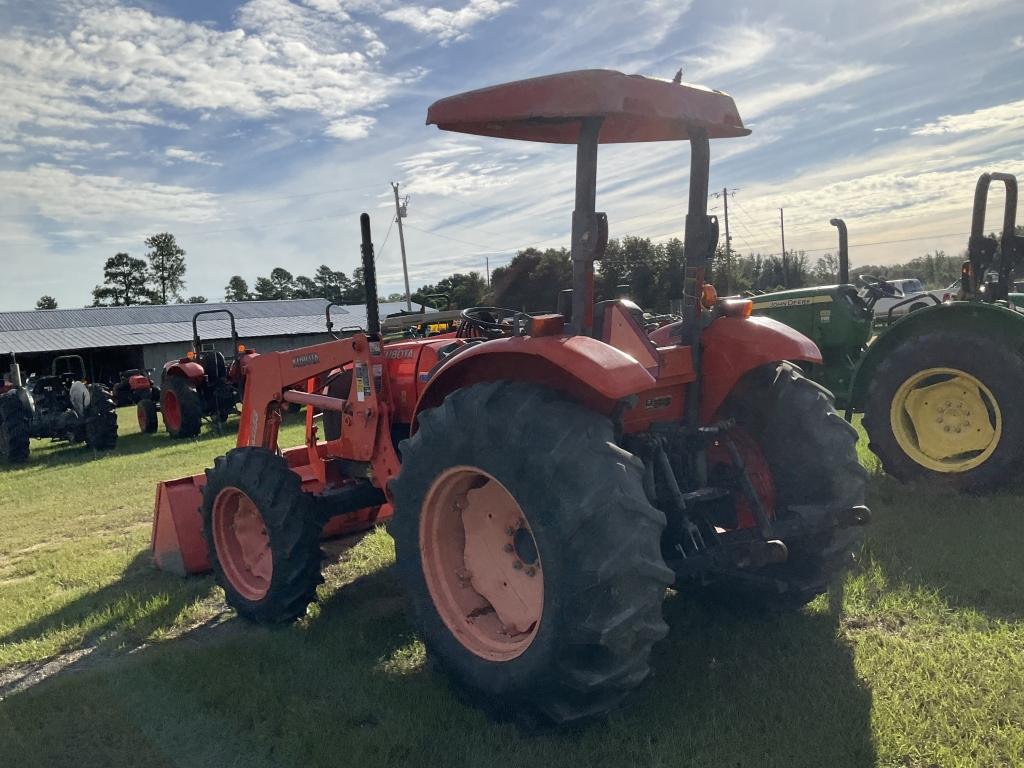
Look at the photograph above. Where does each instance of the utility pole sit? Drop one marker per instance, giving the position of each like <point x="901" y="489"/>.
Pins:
<point x="400" y="212"/>
<point x="487" y="259"/>
<point x="785" y="258"/>
<point x="724" y="194"/>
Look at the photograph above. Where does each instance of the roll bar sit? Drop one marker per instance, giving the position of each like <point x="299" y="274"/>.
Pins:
<point x="197" y="343"/>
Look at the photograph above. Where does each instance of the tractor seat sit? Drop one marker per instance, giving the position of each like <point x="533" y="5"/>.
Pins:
<point x="598" y="330"/>
<point x="214" y="365"/>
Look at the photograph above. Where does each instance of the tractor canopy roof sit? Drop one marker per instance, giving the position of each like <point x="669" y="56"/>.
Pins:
<point x="550" y="109"/>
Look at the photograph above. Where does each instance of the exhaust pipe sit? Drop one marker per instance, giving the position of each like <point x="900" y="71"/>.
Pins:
<point x="369" y="278"/>
<point x="844" y="251"/>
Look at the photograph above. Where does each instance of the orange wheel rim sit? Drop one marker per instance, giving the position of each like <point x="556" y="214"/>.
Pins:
<point x="243" y="547"/>
<point x="172" y="410"/>
<point x="481" y="563"/>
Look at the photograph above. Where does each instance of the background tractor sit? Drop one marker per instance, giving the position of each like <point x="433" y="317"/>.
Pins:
<point x="935" y="385"/>
<point x="201" y="385"/>
<point x="134" y="385"/>
<point x="546" y="477"/>
<point x="62" y="406"/>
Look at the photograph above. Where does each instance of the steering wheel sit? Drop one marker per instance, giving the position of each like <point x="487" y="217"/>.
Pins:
<point x="493" y="322"/>
<point x="878" y="288"/>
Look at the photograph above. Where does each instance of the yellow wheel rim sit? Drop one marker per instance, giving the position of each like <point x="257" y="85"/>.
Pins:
<point x="946" y="420"/>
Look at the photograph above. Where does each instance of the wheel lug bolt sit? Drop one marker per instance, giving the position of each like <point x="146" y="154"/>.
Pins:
<point x="508" y="547"/>
<point x="939" y="420"/>
<point x="517" y="565"/>
<point x="956" y="429"/>
<point x="531" y="571"/>
<point x="946" y="428"/>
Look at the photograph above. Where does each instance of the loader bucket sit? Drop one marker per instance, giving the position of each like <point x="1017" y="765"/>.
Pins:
<point x="177" y="543"/>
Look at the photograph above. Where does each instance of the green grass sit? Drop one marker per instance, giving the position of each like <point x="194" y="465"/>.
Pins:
<point x="918" y="661"/>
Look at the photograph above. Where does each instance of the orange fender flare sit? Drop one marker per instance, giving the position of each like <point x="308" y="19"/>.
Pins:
<point x="732" y="347"/>
<point x="189" y="369"/>
<point x="589" y="370"/>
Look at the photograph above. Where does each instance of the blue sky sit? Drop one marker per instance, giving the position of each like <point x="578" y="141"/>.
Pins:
<point x="256" y="132"/>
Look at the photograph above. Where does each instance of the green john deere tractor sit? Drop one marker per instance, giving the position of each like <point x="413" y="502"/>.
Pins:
<point x="937" y="385"/>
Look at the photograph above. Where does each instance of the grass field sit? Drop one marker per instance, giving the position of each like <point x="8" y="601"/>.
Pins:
<point x="918" y="661"/>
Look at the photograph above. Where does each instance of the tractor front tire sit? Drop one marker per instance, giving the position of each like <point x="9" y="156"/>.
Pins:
<point x="100" y="420"/>
<point x="181" y="408"/>
<point x="811" y="452"/>
<point x="146" y="412"/>
<point x="943" y="392"/>
<point x="14" y="435"/>
<point x="530" y="490"/>
<point x="263" y="535"/>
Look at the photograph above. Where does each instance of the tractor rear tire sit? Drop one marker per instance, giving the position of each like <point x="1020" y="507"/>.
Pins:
<point x="596" y="542"/>
<point x="100" y="420"/>
<point x="253" y="509"/>
<point x="146" y="412"/>
<point x="14" y="435"/>
<point x="181" y="407"/>
<point x="994" y="365"/>
<point x="811" y="452"/>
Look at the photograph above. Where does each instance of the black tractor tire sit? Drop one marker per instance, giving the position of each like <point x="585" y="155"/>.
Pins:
<point x="14" y="435"/>
<point x="992" y="361"/>
<point x="339" y="386"/>
<point x="190" y="407"/>
<point x="292" y="525"/>
<point x="597" y="536"/>
<point x="811" y="452"/>
<point x="146" y="411"/>
<point x="100" y="419"/>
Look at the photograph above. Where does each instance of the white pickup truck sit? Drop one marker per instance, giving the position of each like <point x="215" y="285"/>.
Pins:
<point x="903" y="289"/>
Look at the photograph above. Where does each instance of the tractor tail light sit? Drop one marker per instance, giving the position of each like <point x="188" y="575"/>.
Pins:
<point x="190" y="355"/>
<point x="708" y="296"/>
<point x="735" y="307"/>
<point x="967" y="274"/>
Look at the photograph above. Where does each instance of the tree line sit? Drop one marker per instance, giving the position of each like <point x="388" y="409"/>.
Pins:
<point x="531" y="281"/>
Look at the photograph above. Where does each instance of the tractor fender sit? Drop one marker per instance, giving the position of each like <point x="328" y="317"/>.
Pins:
<point x="734" y="346"/>
<point x="595" y="373"/>
<point x="186" y="369"/>
<point x="991" y="320"/>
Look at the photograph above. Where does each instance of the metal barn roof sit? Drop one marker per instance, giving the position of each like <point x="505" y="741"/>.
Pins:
<point x="51" y="330"/>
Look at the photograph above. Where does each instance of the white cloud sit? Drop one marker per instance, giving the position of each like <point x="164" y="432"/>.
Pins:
<point x="448" y="26"/>
<point x="1018" y="42"/>
<point x="118" y="67"/>
<point x="1001" y="116"/>
<point x="351" y="128"/>
<point x="732" y="49"/>
<point x="770" y="99"/>
<point x="188" y="156"/>
<point x="59" y="194"/>
<point x="457" y="169"/>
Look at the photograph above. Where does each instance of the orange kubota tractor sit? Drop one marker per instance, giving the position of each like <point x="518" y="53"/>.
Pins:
<point x="545" y="477"/>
